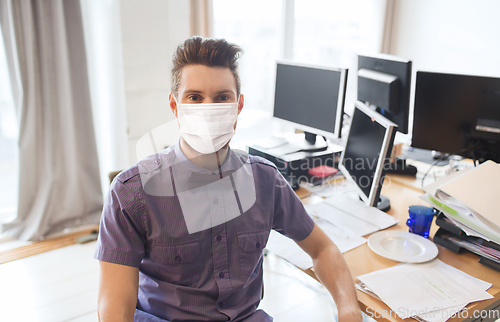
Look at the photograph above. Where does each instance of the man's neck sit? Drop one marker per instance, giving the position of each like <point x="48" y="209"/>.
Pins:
<point x="212" y="161"/>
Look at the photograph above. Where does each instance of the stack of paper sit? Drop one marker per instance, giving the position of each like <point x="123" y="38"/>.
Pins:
<point x="343" y="219"/>
<point x="470" y="199"/>
<point x="432" y="291"/>
<point x="352" y="215"/>
<point x="289" y="250"/>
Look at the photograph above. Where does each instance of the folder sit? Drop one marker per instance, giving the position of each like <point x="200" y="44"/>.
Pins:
<point x="479" y="191"/>
<point x="470" y="199"/>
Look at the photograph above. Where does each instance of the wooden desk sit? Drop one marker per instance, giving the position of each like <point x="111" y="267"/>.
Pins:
<point x="403" y="193"/>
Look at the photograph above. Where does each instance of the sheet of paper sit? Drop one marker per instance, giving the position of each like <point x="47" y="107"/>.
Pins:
<point x="341" y="219"/>
<point x="440" y="315"/>
<point x="344" y="240"/>
<point x="289" y="250"/>
<point x="331" y="188"/>
<point x="414" y="289"/>
<point x="444" y="315"/>
<point x="434" y="316"/>
<point x="360" y="210"/>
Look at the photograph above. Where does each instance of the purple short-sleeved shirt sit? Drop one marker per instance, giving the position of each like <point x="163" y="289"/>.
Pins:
<point x="189" y="273"/>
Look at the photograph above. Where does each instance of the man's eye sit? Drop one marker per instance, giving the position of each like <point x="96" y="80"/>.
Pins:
<point x="194" y="98"/>
<point x="224" y="98"/>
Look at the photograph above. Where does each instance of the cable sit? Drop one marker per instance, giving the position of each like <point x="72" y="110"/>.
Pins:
<point x="446" y="156"/>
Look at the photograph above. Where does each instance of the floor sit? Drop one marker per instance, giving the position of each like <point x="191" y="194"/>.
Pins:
<point x="61" y="285"/>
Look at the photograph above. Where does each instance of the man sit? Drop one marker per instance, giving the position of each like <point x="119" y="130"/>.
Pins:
<point x="182" y="231"/>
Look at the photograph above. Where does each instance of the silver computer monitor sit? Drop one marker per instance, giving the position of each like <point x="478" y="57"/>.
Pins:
<point x="367" y="151"/>
<point x="310" y="97"/>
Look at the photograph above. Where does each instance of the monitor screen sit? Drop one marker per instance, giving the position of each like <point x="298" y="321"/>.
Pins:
<point x="385" y="81"/>
<point x="367" y="150"/>
<point x="453" y="111"/>
<point x="312" y="98"/>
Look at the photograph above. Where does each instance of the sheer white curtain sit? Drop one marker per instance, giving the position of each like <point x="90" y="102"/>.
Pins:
<point x="59" y="171"/>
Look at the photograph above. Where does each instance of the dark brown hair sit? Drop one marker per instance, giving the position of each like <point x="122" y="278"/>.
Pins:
<point x="208" y="52"/>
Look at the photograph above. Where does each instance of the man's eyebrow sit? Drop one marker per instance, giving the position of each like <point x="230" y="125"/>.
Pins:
<point x="191" y="91"/>
<point x="225" y="91"/>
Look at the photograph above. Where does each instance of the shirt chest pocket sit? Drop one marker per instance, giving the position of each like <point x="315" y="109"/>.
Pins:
<point x="251" y="246"/>
<point x="178" y="263"/>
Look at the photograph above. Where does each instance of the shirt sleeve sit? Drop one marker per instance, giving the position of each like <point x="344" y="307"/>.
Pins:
<point x="122" y="235"/>
<point x="290" y="217"/>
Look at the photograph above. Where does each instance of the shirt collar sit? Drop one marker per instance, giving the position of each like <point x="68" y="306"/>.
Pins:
<point x="234" y="161"/>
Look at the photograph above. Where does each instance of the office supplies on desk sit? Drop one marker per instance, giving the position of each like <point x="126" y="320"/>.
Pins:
<point x="322" y="171"/>
<point x="294" y="166"/>
<point x="470" y="200"/>
<point x="452" y="237"/>
<point x="402" y="246"/>
<point x="478" y="191"/>
<point x="351" y="215"/>
<point x="415" y="289"/>
<point x="361" y="211"/>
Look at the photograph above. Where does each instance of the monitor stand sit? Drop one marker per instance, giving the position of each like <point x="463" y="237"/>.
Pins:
<point x="384" y="203"/>
<point x="308" y="142"/>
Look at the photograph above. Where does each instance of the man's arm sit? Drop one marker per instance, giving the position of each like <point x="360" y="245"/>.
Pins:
<point x="118" y="287"/>
<point x="332" y="271"/>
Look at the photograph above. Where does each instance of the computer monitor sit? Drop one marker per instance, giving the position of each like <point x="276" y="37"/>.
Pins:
<point x="367" y="152"/>
<point x="311" y="98"/>
<point x="458" y="114"/>
<point x="385" y="82"/>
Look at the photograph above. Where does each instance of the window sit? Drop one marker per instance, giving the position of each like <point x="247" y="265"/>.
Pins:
<point x="9" y="179"/>
<point x="335" y="35"/>
<point x="326" y="32"/>
<point x="255" y="26"/>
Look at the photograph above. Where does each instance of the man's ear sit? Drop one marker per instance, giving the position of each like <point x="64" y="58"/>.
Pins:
<point x="241" y="102"/>
<point x="172" y="103"/>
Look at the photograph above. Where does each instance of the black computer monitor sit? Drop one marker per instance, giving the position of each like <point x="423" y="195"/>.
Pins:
<point x="311" y="97"/>
<point x="458" y="114"/>
<point x="385" y="82"/>
<point x="367" y="153"/>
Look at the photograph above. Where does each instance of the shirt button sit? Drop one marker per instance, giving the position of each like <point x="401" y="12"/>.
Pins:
<point x="221" y="275"/>
<point x="257" y="245"/>
<point x="221" y="304"/>
<point x="219" y="238"/>
<point x="216" y="201"/>
<point x="178" y="258"/>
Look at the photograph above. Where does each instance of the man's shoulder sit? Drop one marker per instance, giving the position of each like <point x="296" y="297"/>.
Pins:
<point x="261" y="162"/>
<point x="147" y="165"/>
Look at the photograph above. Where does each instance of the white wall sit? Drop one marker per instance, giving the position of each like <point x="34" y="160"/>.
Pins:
<point x="151" y="30"/>
<point x="101" y="20"/>
<point x="458" y="36"/>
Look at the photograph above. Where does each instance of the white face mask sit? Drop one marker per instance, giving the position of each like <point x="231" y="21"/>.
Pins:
<point x="207" y="127"/>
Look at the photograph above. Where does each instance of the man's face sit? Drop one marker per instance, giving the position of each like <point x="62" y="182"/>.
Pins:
<point x="203" y="84"/>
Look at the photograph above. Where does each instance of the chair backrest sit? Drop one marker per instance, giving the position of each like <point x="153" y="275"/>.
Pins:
<point x="113" y="174"/>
